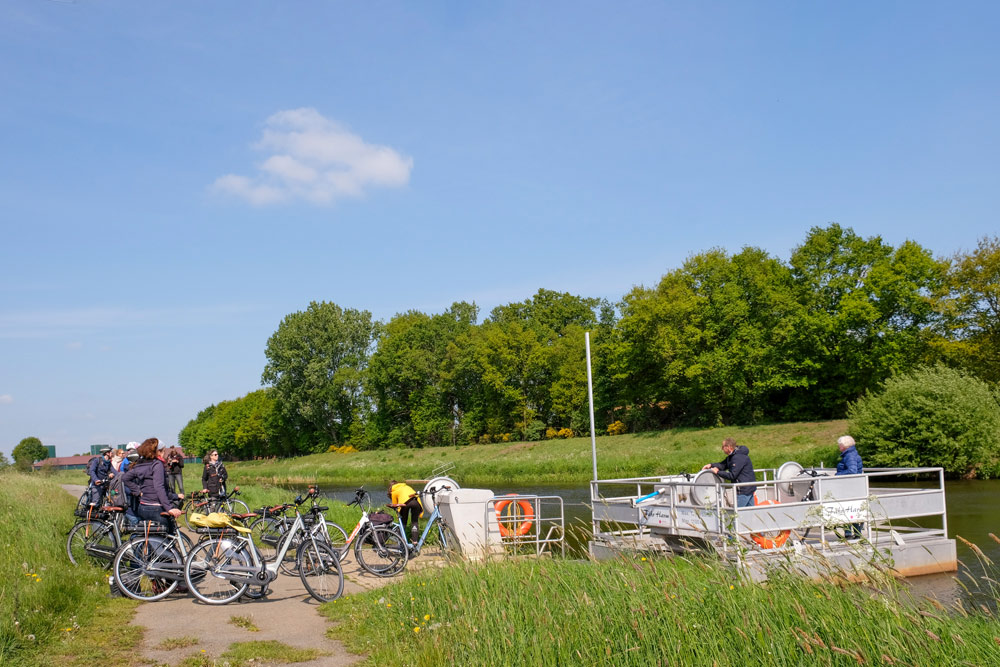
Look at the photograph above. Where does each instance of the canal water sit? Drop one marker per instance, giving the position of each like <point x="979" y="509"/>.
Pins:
<point x="972" y="513"/>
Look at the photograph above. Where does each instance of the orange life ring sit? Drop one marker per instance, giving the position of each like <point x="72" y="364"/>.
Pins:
<point x="520" y="507"/>
<point x="765" y="542"/>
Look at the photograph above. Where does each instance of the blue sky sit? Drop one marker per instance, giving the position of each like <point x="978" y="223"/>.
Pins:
<point x="177" y="177"/>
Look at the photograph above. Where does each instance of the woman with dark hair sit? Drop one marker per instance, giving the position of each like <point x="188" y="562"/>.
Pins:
<point x="213" y="478"/>
<point x="146" y="480"/>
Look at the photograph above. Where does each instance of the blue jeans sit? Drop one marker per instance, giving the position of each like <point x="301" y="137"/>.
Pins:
<point x="744" y="501"/>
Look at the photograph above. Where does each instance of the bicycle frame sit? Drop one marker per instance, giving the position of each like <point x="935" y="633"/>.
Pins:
<point x="261" y="571"/>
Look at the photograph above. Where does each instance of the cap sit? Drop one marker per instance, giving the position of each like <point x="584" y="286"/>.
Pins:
<point x="131" y="445"/>
<point x="105" y="449"/>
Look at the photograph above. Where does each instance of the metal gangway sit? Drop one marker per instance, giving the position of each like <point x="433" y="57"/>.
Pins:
<point x="901" y="514"/>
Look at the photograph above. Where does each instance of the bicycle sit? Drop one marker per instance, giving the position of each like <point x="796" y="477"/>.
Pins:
<point x="274" y="522"/>
<point x="221" y="569"/>
<point x="150" y="564"/>
<point x="203" y="503"/>
<point x="385" y="543"/>
<point x="96" y="536"/>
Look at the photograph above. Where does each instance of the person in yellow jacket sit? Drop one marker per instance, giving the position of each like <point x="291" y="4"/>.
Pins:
<point x="406" y="501"/>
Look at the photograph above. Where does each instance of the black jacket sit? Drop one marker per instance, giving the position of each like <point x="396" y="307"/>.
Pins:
<point x="214" y="478"/>
<point x="738" y="468"/>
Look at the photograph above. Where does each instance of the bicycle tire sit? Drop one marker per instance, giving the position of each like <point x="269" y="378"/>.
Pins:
<point x="338" y="538"/>
<point x="382" y="552"/>
<point x="320" y="571"/>
<point x="237" y="507"/>
<point x="201" y="571"/>
<point x="92" y="542"/>
<point x="134" y="558"/>
<point x="451" y="549"/>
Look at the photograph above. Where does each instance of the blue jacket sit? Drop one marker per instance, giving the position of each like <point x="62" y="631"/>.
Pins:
<point x="850" y="462"/>
<point x="738" y="468"/>
<point x="98" y="469"/>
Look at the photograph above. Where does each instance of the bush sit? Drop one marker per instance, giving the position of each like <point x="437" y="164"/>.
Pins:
<point x="934" y="416"/>
<point x="617" y="428"/>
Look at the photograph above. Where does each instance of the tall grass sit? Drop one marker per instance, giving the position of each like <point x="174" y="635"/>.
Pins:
<point x="651" y="612"/>
<point x="45" y="601"/>
<point x="559" y="461"/>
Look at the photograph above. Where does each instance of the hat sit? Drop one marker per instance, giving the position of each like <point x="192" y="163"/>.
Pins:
<point x="131" y="445"/>
<point x="105" y="449"/>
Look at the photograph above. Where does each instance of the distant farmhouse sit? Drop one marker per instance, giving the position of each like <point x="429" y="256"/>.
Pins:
<point x="80" y="462"/>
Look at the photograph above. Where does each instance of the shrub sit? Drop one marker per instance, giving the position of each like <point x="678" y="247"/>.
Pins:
<point x="617" y="428"/>
<point x="565" y="433"/>
<point x="551" y="433"/>
<point x="534" y="430"/>
<point x="343" y="449"/>
<point x="934" y="416"/>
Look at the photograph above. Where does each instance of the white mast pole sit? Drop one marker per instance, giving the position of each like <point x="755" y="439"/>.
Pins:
<point x="590" y="394"/>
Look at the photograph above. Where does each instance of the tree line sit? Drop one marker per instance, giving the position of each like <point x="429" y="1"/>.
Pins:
<point x="724" y="339"/>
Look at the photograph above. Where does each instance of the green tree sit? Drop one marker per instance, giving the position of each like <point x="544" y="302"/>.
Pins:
<point x="867" y="311"/>
<point x="710" y="344"/>
<point x="971" y="311"/>
<point x="416" y="404"/>
<point x="245" y="428"/>
<point x="933" y="416"/>
<point x="4" y="461"/>
<point x="27" y="452"/>
<point x="316" y="362"/>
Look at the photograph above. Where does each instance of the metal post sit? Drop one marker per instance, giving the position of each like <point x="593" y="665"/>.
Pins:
<point x="590" y="395"/>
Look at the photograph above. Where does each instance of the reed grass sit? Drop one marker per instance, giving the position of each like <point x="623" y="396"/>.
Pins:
<point x="47" y="605"/>
<point x="649" y="611"/>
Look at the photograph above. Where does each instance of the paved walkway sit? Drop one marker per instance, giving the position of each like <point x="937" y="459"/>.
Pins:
<point x="288" y="614"/>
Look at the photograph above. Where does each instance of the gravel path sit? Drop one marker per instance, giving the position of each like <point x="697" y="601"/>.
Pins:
<point x="288" y="614"/>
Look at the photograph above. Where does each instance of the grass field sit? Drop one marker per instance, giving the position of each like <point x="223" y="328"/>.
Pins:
<point x="559" y="461"/>
<point x="642" y="611"/>
<point x="49" y="608"/>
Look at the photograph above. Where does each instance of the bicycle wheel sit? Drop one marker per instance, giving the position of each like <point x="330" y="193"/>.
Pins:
<point x="320" y="571"/>
<point x="450" y="548"/>
<point x="206" y="567"/>
<point x="134" y="560"/>
<point x="266" y="533"/>
<point x="237" y="507"/>
<point x="338" y="538"/>
<point x="92" y="542"/>
<point x="382" y="552"/>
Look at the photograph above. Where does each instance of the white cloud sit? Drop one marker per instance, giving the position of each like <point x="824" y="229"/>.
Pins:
<point x="76" y="345"/>
<point x="74" y="322"/>
<point x="6" y="399"/>
<point x="312" y="158"/>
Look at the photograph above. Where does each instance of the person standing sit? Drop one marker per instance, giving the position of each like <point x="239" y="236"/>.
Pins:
<point x="146" y="480"/>
<point x="175" y="467"/>
<point x="214" y="476"/>
<point x="850" y="464"/>
<point x="405" y="500"/>
<point x="736" y="468"/>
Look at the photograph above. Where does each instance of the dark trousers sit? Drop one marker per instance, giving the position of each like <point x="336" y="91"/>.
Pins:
<point x="152" y="513"/>
<point x="410" y="511"/>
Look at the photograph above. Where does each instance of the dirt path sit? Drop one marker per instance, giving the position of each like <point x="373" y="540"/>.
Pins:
<point x="288" y="615"/>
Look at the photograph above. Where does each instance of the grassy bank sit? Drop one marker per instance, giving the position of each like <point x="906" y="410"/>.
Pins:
<point x="49" y="609"/>
<point x="652" y="612"/>
<point x="559" y="461"/>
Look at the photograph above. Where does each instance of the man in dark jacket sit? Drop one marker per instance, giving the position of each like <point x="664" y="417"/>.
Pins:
<point x="99" y="471"/>
<point x="175" y="471"/>
<point x="736" y="468"/>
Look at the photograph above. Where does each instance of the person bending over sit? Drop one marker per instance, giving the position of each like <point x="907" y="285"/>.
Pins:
<point x="406" y="501"/>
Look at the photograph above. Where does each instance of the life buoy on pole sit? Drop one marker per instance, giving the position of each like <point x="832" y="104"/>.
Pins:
<point x="518" y="510"/>
<point x="766" y="542"/>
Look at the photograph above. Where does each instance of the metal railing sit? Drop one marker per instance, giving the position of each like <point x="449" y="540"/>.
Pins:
<point x="538" y="528"/>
